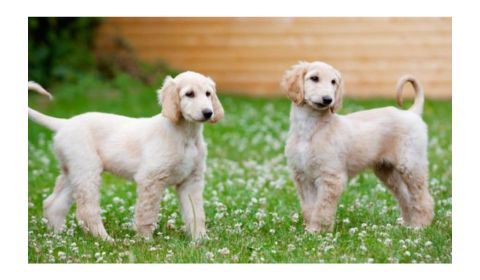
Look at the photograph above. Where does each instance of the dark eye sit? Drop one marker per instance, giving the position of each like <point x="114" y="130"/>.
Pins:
<point x="314" y="78"/>
<point x="190" y="94"/>
<point x="208" y="93"/>
<point x="334" y="82"/>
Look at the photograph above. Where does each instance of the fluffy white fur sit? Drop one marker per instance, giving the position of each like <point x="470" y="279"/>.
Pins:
<point x="166" y="149"/>
<point x="325" y="149"/>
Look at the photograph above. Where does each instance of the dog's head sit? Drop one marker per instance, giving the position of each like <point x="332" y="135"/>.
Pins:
<point x="316" y="84"/>
<point x="190" y="96"/>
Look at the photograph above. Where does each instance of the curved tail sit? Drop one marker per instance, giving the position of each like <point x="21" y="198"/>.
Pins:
<point x="417" y="106"/>
<point x="47" y="121"/>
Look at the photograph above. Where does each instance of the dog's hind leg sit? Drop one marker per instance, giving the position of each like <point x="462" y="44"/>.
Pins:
<point x="56" y="206"/>
<point x="394" y="182"/>
<point x="421" y="207"/>
<point x="85" y="170"/>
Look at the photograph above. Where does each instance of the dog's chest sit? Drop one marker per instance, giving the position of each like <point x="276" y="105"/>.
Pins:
<point x="299" y="152"/>
<point x="187" y="162"/>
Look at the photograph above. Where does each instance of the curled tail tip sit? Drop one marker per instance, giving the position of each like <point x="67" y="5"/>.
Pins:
<point x="38" y="88"/>
<point x="417" y="106"/>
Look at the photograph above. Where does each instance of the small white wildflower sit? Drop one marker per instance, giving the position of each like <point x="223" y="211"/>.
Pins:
<point x="117" y="200"/>
<point x="346" y="221"/>
<point x="260" y="215"/>
<point x="209" y="256"/>
<point x="271" y="231"/>
<point x="370" y="260"/>
<point x="224" y="251"/>
<point x="407" y="253"/>
<point x="290" y="247"/>
<point x="219" y="215"/>
<point x="392" y="260"/>
<point x="171" y="224"/>
<point x="62" y="255"/>
<point x="428" y="243"/>
<point x="151" y="249"/>
<point x="352" y="231"/>
<point x="294" y="217"/>
<point x="363" y="248"/>
<point x="387" y="242"/>
<point x="262" y="201"/>
<point x="169" y="254"/>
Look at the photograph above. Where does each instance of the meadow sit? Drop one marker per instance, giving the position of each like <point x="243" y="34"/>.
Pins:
<point x="253" y="214"/>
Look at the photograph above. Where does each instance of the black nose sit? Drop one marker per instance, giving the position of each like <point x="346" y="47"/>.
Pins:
<point x="326" y="100"/>
<point x="207" y="113"/>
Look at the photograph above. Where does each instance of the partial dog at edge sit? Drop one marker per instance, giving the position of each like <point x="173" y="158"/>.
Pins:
<point x="166" y="149"/>
<point x="325" y="149"/>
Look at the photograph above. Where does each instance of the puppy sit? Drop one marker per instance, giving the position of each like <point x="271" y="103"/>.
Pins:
<point x="325" y="149"/>
<point x="166" y="149"/>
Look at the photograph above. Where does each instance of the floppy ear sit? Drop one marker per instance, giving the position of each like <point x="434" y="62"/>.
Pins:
<point x="168" y="96"/>
<point x="338" y="93"/>
<point x="292" y="82"/>
<point x="217" y="106"/>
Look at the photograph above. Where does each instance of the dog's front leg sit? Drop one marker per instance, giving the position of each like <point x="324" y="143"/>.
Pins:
<point x="329" y="188"/>
<point x="306" y="194"/>
<point x="149" y="194"/>
<point x="190" y="195"/>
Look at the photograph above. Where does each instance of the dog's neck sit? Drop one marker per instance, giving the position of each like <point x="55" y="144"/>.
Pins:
<point x="187" y="128"/>
<point x="305" y="118"/>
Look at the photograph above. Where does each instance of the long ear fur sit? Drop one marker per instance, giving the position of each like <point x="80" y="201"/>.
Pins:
<point x="218" y="112"/>
<point x="170" y="100"/>
<point x="292" y="82"/>
<point x="338" y="94"/>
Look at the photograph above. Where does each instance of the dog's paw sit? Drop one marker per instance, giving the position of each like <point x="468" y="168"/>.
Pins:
<point x="312" y="229"/>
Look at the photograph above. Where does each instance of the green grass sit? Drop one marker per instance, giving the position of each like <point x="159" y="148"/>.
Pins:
<point x="251" y="204"/>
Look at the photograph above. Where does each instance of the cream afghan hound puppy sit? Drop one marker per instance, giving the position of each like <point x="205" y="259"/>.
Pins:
<point x="156" y="152"/>
<point x="325" y="149"/>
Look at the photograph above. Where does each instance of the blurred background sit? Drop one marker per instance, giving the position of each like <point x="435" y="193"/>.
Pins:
<point x="245" y="56"/>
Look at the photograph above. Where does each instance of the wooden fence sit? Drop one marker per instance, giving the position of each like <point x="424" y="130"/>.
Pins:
<point x="249" y="55"/>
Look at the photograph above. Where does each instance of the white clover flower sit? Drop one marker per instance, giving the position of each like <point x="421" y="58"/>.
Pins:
<point x="62" y="255"/>
<point x="117" y="200"/>
<point x="392" y="260"/>
<point x="209" y="256"/>
<point x="171" y="224"/>
<point x="387" y="242"/>
<point x="290" y="247"/>
<point x="428" y="243"/>
<point x="260" y="215"/>
<point x="346" y="221"/>
<point x="262" y="201"/>
<point x="219" y="215"/>
<point x="352" y="231"/>
<point x="271" y="231"/>
<point x="294" y="217"/>
<point x="169" y="254"/>
<point x="363" y="248"/>
<point x="224" y="251"/>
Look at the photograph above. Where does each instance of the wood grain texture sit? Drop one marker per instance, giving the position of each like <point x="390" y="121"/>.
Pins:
<point x="250" y="55"/>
